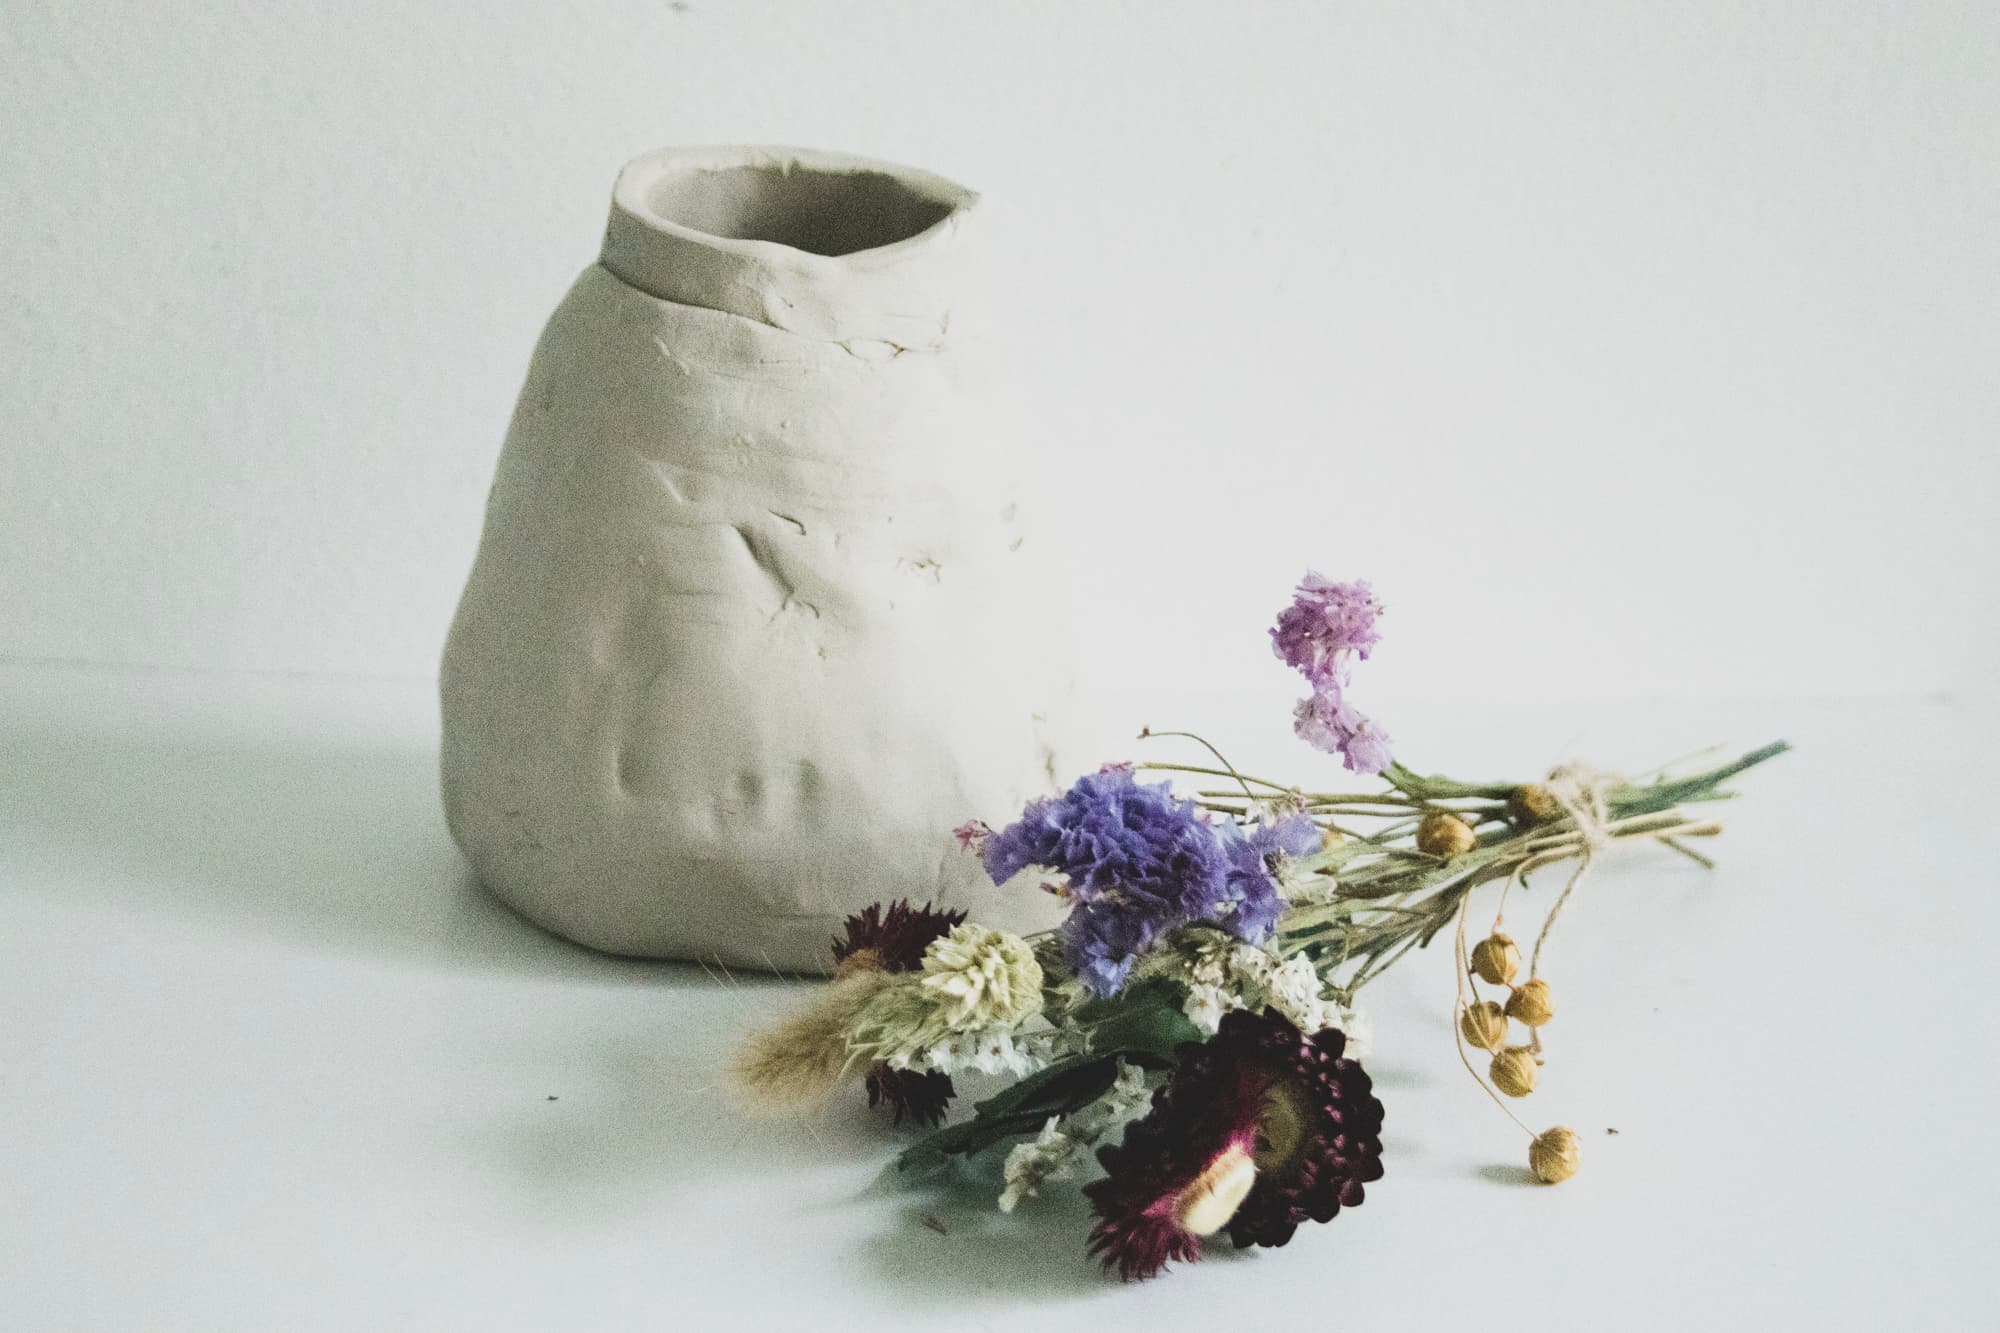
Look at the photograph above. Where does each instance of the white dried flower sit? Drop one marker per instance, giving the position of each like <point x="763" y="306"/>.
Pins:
<point x="1293" y="989"/>
<point x="1052" y="1155"/>
<point x="1065" y="1140"/>
<point x="1206" y="1004"/>
<point x="1247" y="965"/>
<point x="983" y="978"/>
<point x="1360" y="1032"/>
<point x="988" y="1050"/>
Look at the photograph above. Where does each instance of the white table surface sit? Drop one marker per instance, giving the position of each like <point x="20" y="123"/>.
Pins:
<point x="270" y="1060"/>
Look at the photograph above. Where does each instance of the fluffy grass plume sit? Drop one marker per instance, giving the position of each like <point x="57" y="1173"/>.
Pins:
<point x="795" y="1065"/>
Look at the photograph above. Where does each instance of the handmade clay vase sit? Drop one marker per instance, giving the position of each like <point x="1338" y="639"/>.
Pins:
<point x="752" y="627"/>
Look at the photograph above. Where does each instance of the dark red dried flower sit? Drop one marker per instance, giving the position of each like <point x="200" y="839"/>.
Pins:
<point x="1259" y="1128"/>
<point x="922" y="1095"/>
<point x="897" y="936"/>
<point x="894" y="940"/>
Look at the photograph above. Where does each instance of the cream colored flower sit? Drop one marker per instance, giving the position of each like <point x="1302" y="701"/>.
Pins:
<point x="1293" y="989"/>
<point x="1065" y="1141"/>
<point x="983" y="978"/>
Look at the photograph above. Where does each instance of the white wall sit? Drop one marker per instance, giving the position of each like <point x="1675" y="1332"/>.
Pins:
<point x="1629" y="348"/>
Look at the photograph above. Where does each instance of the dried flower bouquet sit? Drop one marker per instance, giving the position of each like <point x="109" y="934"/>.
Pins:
<point x="1192" y="1019"/>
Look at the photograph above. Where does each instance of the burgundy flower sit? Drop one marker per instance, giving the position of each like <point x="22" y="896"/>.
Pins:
<point x="1260" y="1128"/>
<point x="922" y="1095"/>
<point x="893" y="939"/>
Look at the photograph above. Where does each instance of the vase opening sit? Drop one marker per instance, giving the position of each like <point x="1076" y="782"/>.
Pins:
<point x="821" y="212"/>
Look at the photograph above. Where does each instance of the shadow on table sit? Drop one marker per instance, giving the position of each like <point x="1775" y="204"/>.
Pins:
<point x="344" y="848"/>
<point x="302" y="839"/>
<point x="945" y="1244"/>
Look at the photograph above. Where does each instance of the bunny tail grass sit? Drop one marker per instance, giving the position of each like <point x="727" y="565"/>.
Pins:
<point x="794" y="1066"/>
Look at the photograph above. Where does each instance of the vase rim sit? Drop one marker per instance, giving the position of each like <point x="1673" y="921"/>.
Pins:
<point x="823" y="244"/>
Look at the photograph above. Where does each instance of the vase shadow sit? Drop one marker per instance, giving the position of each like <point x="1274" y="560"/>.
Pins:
<point x="306" y="839"/>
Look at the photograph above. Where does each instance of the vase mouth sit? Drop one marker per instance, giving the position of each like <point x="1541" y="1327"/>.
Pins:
<point x="823" y="244"/>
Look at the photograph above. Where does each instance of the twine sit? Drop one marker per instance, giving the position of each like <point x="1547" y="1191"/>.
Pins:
<point x="1579" y="791"/>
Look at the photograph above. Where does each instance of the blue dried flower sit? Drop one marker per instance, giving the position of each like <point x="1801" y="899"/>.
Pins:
<point x="1294" y="835"/>
<point x="1250" y="904"/>
<point x="1139" y="863"/>
<point x="1109" y="833"/>
<point x="1103" y="939"/>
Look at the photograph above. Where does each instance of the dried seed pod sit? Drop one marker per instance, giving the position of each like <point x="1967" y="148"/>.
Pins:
<point x="1532" y="804"/>
<point x="1442" y="833"/>
<point x="1555" y="1155"/>
<point x="1330" y="838"/>
<point x="1532" y="1003"/>
<point x="1484" y="1025"/>
<point x="1514" y="1071"/>
<point x="1496" y="959"/>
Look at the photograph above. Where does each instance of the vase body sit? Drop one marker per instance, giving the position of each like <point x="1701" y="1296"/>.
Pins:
<point x="752" y="625"/>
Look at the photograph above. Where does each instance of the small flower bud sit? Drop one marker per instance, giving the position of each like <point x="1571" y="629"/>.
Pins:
<point x="1442" y="833"/>
<point x="1330" y="838"/>
<point x="1514" y="1071"/>
<point x="1532" y="1003"/>
<point x="1484" y="1025"/>
<point x="1532" y="804"/>
<point x="1555" y="1155"/>
<point x="1496" y="959"/>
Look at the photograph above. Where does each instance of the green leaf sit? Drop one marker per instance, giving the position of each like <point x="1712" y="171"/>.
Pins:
<point x="1066" y="1086"/>
<point x="1144" y="1023"/>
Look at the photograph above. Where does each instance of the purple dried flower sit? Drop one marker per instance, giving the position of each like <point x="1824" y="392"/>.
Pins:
<point x="1248" y="905"/>
<point x="1327" y="628"/>
<point x="1327" y="624"/>
<point x="1110" y="834"/>
<point x="1103" y="939"/>
<point x="1139" y="863"/>
<point x="1294" y="835"/>
<point x="1328" y="722"/>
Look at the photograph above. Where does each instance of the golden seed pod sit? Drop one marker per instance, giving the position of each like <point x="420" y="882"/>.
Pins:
<point x="1555" y="1155"/>
<point x="1532" y="1003"/>
<point x="1484" y="1025"/>
<point x="1442" y="833"/>
<point x="1330" y="838"/>
<point x="1514" y="1071"/>
<point x="1532" y="804"/>
<point x="1496" y="959"/>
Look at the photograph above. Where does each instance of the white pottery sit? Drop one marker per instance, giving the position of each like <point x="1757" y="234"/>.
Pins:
<point x="750" y="629"/>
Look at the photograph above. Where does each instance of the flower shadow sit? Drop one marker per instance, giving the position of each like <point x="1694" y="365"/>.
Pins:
<point x="1502" y="1173"/>
<point x="949" y="1242"/>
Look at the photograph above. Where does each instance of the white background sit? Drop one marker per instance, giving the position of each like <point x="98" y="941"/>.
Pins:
<point x="1630" y="349"/>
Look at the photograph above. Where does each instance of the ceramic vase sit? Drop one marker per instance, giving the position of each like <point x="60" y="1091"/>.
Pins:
<point x="752" y="625"/>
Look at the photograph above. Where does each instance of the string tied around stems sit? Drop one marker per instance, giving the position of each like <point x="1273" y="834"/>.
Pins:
<point x="1579" y="791"/>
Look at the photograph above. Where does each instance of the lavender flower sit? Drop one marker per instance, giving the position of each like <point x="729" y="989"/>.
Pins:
<point x="1327" y="624"/>
<point x="1328" y="722"/>
<point x="1140" y="863"/>
<point x="1327" y="628"/>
